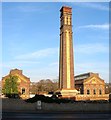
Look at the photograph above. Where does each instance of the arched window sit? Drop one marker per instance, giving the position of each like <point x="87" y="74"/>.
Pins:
<point x="88" y="92"/>
<point x="94" y="91"/>
<point x="23" y="90"/>
<point x="100" y="91"/>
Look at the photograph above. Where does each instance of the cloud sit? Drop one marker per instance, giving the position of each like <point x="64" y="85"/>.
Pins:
<point x="27" y="1"/>
<point x="54" y="64"/>
<point x="91" y="48"/>
<point x="46" y="72"/>
<point x="92" y="66"/>
<point x="96" y="26"/>
<point x="38" y="54"/>
<point x="97" y="67"/>
<point x="17" y="64"/>
<point x="97" y="6"/>
<point x="27" y="8"/>
<point x="56" y="0"/>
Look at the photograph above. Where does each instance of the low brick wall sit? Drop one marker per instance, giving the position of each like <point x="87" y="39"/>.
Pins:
<point x="90" y="97"/>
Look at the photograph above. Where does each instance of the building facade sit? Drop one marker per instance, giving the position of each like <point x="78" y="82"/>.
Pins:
<point x="23" y="82"/>
<point x="90" y="87"/>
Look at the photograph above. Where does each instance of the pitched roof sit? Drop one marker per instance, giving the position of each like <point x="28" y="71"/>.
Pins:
<point x="14" y="72"/>
<point x="79" y="79"/>
<point x="84" y="76"/>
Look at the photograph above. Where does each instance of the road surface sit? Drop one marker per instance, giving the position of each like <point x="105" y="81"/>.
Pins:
<point x="55" y="116"/>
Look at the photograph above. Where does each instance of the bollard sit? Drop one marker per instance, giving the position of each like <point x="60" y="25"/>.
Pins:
<point x="39" y="105"/>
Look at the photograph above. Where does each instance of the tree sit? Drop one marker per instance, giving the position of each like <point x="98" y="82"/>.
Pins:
<point x="33" y="88"/>
<point x="11" y="86"/>
<point x="44" y="86"/>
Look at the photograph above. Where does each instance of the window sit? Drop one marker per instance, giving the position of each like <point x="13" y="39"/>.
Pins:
<point x="68" y="20"/>
<point x="23" y="90"/>
<point x="100" y="92"/>
<point x="88" y="92"/>
<point x="65" y="21"/>
<point x="94" y="92"/>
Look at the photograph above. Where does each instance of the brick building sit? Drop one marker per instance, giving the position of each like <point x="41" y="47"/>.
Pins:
<point x="23" y="81"/>
<point x="90" y="87"/>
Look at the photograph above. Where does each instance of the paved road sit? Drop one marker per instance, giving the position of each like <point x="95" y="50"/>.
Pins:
<point x="55" y="116"/>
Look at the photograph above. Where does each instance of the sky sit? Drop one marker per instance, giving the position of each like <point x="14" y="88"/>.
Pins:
<point x="30" y="38"/>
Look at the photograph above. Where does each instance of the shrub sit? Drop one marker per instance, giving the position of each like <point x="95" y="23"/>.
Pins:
<point x="45" y="99"/>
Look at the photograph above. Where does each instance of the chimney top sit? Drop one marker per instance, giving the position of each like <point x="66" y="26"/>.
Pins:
<point x="66" y="9"/>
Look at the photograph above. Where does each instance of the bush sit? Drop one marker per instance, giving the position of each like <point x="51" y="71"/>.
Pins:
<point x="51" y="93"/>
<point x="45" y="99"/>
<point x="12" y="95"/>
